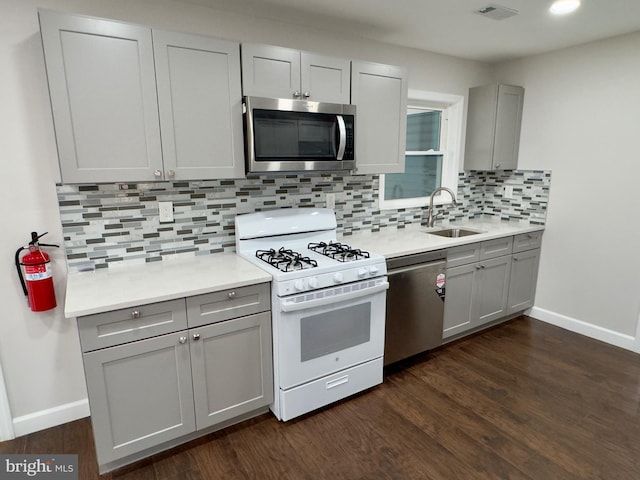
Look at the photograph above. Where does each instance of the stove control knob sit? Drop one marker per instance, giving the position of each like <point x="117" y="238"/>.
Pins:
<point x="299" y="285"/>
<point x="313" y="282"/>
<point x="363" y="272"/>
<point x="337" y="277"/>
<point x="373" y="271"/>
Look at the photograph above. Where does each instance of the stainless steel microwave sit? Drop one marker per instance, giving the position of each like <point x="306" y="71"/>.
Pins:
<point x="284" y="135"/>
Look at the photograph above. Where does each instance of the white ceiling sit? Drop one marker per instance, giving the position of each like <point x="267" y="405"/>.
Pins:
<point x="450" y="26"/>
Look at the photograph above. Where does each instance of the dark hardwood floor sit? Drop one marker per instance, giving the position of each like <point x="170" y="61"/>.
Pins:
<point x="524" y="400"/>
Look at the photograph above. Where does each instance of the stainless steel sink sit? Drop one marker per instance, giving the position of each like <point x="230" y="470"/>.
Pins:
<point x="453" y="232"/>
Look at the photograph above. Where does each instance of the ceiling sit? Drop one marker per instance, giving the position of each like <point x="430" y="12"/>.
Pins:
<point x="450" y="26"/>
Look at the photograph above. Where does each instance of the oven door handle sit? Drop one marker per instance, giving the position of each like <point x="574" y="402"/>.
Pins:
<point x="332" y="299"/>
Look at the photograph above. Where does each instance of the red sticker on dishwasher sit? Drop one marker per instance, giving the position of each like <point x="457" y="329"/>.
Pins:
<point x="440" y="280"/>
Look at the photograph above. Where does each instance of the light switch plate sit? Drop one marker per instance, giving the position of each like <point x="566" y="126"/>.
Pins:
<point x="165" y="212"/>
<point x="508" y="191"/>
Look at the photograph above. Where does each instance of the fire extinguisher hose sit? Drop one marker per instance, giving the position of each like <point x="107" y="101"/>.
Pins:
<point x="24" y="285"/>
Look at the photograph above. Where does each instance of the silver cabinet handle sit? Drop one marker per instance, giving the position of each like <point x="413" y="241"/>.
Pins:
<point x="171" y="174"/>
<point x="497" y="165"/>
<point x="232" y="295"/>
<point x="135" y="314"/>
<point x="157" y="174"/>
<point x="183" y="340"/>
<point x="306" y="94"/>
<point x="296" y="94"/>
<point x="515" y="259"/>
<point x="196" y="336"/>
<point x="478" y="267"/>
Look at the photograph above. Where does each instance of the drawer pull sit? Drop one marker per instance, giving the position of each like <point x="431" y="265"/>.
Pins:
<point x="232" y="295"/>
<point x="183" y="340"/>
<point x="337" y="382"/>
<point x="135" y="314"/>
<point x="196" y="336"/>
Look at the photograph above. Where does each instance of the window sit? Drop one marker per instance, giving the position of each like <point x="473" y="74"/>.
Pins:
<point x="432" y="158"/>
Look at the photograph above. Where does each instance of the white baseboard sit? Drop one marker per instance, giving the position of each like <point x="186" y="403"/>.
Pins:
<point x="611" y="337"/>
<point x="50" y="417"/>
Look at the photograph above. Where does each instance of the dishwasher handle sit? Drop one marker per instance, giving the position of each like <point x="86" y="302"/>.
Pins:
<point x="417" y="267"/>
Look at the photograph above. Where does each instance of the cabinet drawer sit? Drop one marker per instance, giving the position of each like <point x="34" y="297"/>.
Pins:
<point x="496" y="248"/>
<point x="226" y="304"/>
<point x="527" y="241"/>
<point x="130" y="324"/>
<point x="463" y="254"/>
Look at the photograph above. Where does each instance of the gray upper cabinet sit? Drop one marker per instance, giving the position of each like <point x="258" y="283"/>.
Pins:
<point x="200" y="102"/>
<point x="494" y="119"/>
<point x="132" y="105"/>
<point x="380" y="95"/>
<point x="278" y="72"/>
<point x="103" y="98"/>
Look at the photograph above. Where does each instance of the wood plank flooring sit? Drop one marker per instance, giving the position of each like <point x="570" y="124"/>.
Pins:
<point x="524" y="400"/>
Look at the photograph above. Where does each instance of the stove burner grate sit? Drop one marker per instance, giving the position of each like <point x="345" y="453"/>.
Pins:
<point x="286" y="260"/>
<point x="338" y="251"/>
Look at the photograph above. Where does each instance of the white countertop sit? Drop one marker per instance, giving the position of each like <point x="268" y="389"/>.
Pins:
<point x="392" y="242"/>
<point x="125" y="286"/>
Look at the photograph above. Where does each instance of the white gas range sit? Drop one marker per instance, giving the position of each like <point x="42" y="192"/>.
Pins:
<point x="328" y="307"/>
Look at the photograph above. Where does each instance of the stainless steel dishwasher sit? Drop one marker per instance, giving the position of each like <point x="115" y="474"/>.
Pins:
<point x="415" y="304"/>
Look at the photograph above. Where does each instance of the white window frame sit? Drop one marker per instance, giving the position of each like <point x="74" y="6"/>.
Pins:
<point x="450" y="148"/>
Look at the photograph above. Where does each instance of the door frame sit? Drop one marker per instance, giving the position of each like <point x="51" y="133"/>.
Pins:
<point x="6" y="420"/>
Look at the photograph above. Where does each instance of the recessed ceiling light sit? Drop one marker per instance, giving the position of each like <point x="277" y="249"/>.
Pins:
<point x="561" y="7"/>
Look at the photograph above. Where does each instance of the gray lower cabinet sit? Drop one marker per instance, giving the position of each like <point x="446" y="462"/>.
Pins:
<point x="232" y="368"/>
<point x="524" y="276"/>
<point x="140" y="395"/>
<point x="154" y="383"/>
<point x="488" y="281"/>
<point x="476" y="294"/>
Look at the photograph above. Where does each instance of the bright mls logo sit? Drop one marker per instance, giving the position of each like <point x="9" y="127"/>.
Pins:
<point x="51" y="467"/>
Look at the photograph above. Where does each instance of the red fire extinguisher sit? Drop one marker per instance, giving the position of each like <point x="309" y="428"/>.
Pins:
<point x="38" y="284"/>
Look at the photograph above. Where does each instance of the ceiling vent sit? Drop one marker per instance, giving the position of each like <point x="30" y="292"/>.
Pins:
<point x="497" y="12"/>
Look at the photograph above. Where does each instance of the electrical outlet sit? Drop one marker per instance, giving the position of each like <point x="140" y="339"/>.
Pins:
<point x="508" y="191"/>
<point x="331" y="200"/>
<point x="165" y="212"/>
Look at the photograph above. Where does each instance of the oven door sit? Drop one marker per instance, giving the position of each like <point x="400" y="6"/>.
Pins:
<point x="328" y="330"/>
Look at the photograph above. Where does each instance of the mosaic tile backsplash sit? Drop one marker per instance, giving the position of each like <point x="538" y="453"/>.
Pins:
<point x="114" y="224"/>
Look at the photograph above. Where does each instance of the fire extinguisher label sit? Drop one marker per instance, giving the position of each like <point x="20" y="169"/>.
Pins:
<point x="37" y="272"/>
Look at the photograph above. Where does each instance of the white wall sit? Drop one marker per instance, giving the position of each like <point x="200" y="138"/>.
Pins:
<point x="581" y="120"/>
<point x="39" y="352"/>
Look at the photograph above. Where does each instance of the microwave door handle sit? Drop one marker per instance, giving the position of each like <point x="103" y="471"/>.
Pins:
<point x="342" y="135"/>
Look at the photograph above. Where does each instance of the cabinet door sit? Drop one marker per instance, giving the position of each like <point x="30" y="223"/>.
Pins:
<point x="232" y="368"/>
<point x="269" y="71"/>
<point x="325" y="79"/>
<point x="200" y="103"/>
<point x="103" y="98"/>
<point x="140" y="395"/>
<point x="492" y="288"/>
<point x="380" y="95"/>
<point x="508" y="121"/>
<point x="494" y="116"/>
<point x="459" y="293"/>
<point x="524" y="276"/>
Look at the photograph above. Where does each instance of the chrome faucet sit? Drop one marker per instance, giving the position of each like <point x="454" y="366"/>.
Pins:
<point x="431" y="218"/>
